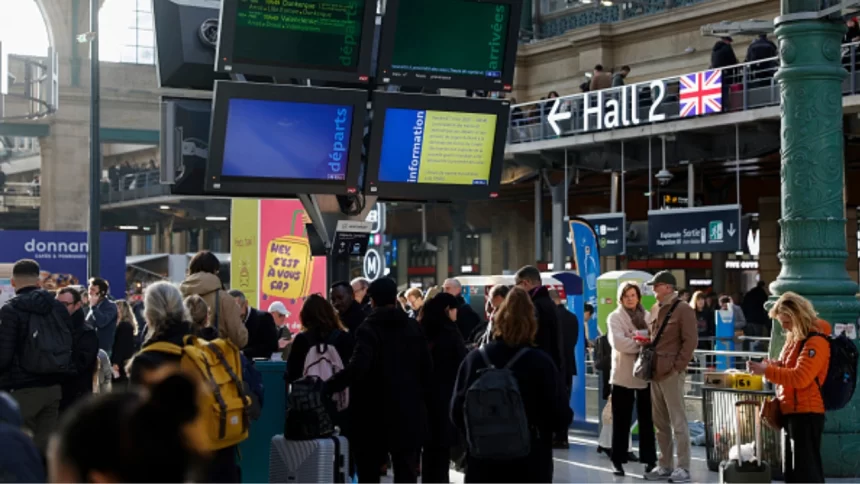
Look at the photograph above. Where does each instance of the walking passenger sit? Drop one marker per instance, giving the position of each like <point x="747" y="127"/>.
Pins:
<point x="538" y="382"/>
<point x="625" y="323"/>
<point x="676" y="321"/>
<point x="797" y="374"/>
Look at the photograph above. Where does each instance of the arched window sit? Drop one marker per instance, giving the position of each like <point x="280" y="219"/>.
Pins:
<point x="23" y="30"/>
<point x="126" y="32"/>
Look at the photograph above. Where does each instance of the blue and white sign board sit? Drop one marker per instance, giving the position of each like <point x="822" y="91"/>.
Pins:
<point x="611" y="232"/>
<point x="725" y="332"/>
<point x="701" y="229"/>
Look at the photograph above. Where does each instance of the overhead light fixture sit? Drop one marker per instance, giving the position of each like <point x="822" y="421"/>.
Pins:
<point x="164" y="207"/>
<point x="586" y="2"/>
<point x="147" y="229"/>
<point x="606" y="3"/>
<point x="128" y="227"/>
<point x="216" y="219"/>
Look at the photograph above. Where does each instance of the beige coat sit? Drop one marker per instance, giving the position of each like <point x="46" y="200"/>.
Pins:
<point x="230" y="324"/>
<point x="624" y="349"/>
<point x="679" y="339"/>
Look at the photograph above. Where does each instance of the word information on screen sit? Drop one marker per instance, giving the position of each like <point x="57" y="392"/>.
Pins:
<point x="438" y="147"/>
<point x="286" y="140"/>
<point x="299" y="33"/>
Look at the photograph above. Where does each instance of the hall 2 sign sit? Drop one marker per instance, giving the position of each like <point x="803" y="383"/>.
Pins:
<point x="611" y="111"/>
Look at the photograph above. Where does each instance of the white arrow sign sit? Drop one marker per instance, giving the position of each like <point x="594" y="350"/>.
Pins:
<point x="555" y="116"/>
<point x="731" y="230"/>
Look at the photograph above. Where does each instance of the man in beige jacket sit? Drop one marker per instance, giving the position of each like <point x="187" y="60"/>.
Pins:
<point x="674" y="352"/>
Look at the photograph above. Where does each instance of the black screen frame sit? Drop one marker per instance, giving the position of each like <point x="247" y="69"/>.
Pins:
<point x="224" y="53"/>
<point x="435" y="191"/>
<point x="216" y="184"/>
<point x="456" y="81"/>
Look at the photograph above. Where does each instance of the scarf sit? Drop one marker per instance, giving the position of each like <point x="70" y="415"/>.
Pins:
<point x="637" y="316"/>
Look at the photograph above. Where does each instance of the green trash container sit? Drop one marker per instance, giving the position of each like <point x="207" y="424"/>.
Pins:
<point x="255" y="450"/>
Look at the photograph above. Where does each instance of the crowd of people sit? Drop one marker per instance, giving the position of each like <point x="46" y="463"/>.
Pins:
<point x="422" y="379"/>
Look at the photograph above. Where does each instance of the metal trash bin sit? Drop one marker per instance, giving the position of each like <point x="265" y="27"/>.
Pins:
<point x="718" y="411"/>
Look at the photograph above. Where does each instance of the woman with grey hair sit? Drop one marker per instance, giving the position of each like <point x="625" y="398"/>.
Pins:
<point x="167" y="320"/>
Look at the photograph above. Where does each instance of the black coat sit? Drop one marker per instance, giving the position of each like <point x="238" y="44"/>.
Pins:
<point x="760" y="49"/>
<point x="546" y="405"/>
<point x="301" y="345"/>
<point x="123" y="346"/>
<point x="262" y="335"/>
<point x="723" y="55"/>
<point x="14" y="316"/>
<point x="467" y="318"/>
<point x="549" y="337"/>
<point x="149" y="361"/>
<point x="353" y="317"/>
<point x="389" y="380"/>
<point x="84" y="355"/>
<point x="569" y="324"/>
<point x="447" y="350"/>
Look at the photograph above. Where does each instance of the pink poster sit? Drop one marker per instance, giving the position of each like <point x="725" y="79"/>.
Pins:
<point x="288" y="273"/>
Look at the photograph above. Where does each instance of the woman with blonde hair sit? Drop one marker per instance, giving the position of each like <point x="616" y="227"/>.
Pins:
<point x="625" y="324"/>
<point x="798" y="375"/>
<point x="544" y="398"/>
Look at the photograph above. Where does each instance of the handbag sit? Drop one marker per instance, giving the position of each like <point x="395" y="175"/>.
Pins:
<point x="646" y="362"/>
<point x="771" y="413"/>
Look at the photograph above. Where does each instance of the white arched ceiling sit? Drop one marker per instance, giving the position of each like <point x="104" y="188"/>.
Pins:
<point x="24" y="28"/>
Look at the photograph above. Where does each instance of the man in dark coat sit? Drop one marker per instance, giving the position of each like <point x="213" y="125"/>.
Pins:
<point x="548" y="338"/>
<point x="349" y="310"/>
<point x="759" y="50"/>
<point x="389" y="378"/>
<point x="86" y="349"/>
<point x="467" y="318"/>
<point x="262" y="331"/>
<point x="38" y="395"/>
<point x="569" y="326"/>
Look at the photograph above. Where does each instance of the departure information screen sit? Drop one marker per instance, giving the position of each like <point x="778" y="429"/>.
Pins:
<point x="439" y="147"/>
<point x="286" y="140"/>
<point x="453" y="37"/>
<point x="299" y="33"/>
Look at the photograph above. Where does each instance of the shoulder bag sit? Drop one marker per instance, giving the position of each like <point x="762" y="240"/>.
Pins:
<point x="646" y="363"/>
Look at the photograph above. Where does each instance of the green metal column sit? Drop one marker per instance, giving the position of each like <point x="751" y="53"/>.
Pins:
<point x="813" y="239"/>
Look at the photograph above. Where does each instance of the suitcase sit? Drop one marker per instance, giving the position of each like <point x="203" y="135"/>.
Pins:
<point x="320" y="460"/>
<point x="738" y="471"/>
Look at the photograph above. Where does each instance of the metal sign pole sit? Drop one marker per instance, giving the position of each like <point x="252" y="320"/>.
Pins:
<point x="93" y="245"/>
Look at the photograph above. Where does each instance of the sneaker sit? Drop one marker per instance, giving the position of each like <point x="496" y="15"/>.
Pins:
<point x="680" y="475"/>
<point x="658" y="474"/>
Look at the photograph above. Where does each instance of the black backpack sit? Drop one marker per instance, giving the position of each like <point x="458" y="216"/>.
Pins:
<point x="46" y="346"/>
<point x="496" y="423"/>
<point x="308" y="415"/>
<point x="602" y="353"/>
<point x="841" y="380"/>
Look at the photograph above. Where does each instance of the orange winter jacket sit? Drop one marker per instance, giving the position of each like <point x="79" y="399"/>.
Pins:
<point x="798" y="374"/>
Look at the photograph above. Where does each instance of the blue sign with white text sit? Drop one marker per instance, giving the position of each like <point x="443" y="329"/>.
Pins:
<point x="62" y="257"/>
<point x="611" y="232"/>
<point x="701" y="229"/>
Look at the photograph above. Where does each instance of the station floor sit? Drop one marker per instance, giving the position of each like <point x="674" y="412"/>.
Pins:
<point x="582" y="463"/>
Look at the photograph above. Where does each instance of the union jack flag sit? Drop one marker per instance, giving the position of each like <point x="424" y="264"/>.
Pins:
<point x="701" y="93"/>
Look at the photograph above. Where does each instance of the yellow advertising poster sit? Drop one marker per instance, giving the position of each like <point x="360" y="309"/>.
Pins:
<point x="244" y="245"/>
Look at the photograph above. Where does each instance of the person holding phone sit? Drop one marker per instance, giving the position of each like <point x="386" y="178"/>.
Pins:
<point x="103" y="313"/>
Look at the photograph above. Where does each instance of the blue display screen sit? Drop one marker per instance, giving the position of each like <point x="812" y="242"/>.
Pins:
<point x="276" y="139"/>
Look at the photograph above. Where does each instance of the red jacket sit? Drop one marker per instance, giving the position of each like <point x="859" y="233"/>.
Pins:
<point x="796" y="373"/>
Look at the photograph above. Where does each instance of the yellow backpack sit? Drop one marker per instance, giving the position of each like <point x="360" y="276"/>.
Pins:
<point x="224" y="406"/>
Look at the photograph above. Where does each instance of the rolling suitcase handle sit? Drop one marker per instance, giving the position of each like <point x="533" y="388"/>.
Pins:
<point x="757" y="419"/>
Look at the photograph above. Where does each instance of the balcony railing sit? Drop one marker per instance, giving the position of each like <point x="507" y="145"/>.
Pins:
<point x="133" y="186"/>
<point x="19" y="195"/>
<point x="744" y="86"/>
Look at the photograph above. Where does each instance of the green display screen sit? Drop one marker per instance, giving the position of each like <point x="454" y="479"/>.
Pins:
<point x="455" y="37"/>
<point x="322" y="34"/>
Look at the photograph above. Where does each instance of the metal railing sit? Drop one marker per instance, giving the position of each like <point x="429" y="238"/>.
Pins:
<point x="745" y="86"/>
<point x="19" y="195"/>
<point x="133" y="186"/>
